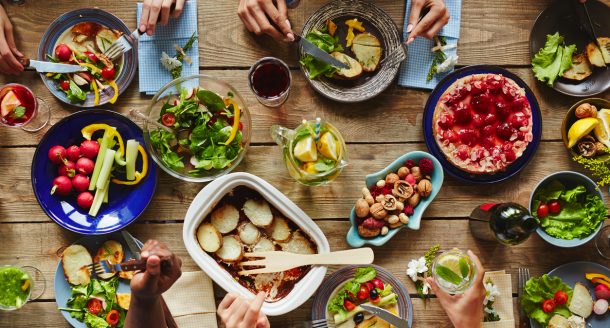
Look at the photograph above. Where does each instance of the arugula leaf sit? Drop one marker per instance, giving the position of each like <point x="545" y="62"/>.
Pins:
<point x="211" y="100"/>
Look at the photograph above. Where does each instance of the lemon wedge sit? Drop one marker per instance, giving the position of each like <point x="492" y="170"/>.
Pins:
<point x="305" y="150"/>
<point x="580" y="129"/>
<point x="602" y="130"/>
<point x="309" y="167"/>
<point x="327" y="146"/>
<point x="9" y="103"/>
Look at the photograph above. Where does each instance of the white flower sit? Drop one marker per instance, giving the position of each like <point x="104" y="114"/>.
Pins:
<point x="491" y="292"/>
<point x="169" y="62"/>
<point x="447" y="65"/>
<point x="426" y="288"/>
<point x="416" y="266"/>
<point x="488" y="310"/>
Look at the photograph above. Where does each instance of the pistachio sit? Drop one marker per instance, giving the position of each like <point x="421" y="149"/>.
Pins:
<point x="384" y="230"/>
<point x="381" y="183"/>
<point x="403" y="172"/>
<point x="402" y="189"/>
<point x="414" y="200"/>
<point x="404" y="219"/>
<point x="424" y="188"/>
<point x="362" y="208"/>
<point x="585" y="110"/>
<point x="389" y="202"/>
<point x="378" y="212"/>
<point x="366" y="194"/>
<point x="400" y="205"/>
<point x="392" y="219"/>
<point x="391" y="179"/>
<point x="416" y="172"/>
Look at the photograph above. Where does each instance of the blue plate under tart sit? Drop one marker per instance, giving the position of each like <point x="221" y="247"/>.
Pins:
<point x="66" y="21"/>
<point x="435" y="150"/>
<point x="125" y="204"/>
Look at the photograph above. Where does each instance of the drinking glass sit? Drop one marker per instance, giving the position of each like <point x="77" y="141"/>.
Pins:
<point x="35" y="285"/>
<point x="270" y="81"/>
<point x="36" y="109"/>
<point x="602" y="242"/>
<point x="454" y="271"/>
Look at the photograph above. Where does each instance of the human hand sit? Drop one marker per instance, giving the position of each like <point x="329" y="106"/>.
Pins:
<point x="238" y="312"/>
<point x="9" y="64"/>
<point x="162" y="270"/>
<point x="255" y="14"/>
<point x="431" y="23"/>
<point x="464" y="310"/>
<point x="151" y="9"/>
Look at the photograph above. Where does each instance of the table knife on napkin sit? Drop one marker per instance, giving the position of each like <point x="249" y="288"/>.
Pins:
<point x="320" y="54"/>
<point x="49" y="67"/>
<point x="135" y="252"/>
<point x="386" y="315"/>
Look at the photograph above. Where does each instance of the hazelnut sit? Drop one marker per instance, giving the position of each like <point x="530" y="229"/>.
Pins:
<point x="404" y="219"/>
<point x="368" y="233"/>
<point x="366" y="194"/>
<point x="389" y="202"/>
<point x="585" y="110"/>
<point x="381" y="183"/>
<point x="400" y="206"/>
<point x="379" y="198"/>
<point x="414" y="200"/>
<point x="403" y="172"/>
<point x="391" y="179"/>
<point x="384" y="230"/>
<point x="402" y="189"/>
<point x="362" y="208"/>
<point x="424" y="188"/>
<point x="416" y="172"/>
<point x="392" y="219"/>
<point x="378" y="212"/>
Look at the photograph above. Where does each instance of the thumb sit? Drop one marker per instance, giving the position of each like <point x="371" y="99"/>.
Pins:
<point x="152" y="273"/>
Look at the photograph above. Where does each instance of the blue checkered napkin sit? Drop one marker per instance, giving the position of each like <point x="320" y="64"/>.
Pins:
<point x="414" y="69"/>
<point x="152" y="74"/>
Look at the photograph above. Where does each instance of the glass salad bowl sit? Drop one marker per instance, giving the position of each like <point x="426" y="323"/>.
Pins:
<point x="192" y="131"/>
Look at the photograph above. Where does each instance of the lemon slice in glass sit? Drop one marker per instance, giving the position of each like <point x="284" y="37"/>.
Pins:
<point x="305" y="150"/>
<point x="580" y="129"/>
<point x="327" y="146"/>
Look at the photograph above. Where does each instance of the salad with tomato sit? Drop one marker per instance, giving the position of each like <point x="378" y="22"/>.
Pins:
<point x="545" y="296"/>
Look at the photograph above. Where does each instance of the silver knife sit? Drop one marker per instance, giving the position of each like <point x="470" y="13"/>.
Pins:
<point x="320" y="54"/>
<point x="132" y="244"/>
<point x="50" y="67"/>
<point x="596" y="40"/>
<point x="386" y="315"/>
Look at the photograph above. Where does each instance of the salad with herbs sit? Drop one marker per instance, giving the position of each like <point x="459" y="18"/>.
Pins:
<point x="545" y="296"/>
<point x="207" y="132"/>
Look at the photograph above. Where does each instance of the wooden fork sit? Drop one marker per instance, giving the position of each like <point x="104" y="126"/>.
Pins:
<point x="282" y="261"/>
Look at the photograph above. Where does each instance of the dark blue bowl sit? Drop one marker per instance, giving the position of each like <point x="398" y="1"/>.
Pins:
<point x="66" y="21"/>
<point x="434" y="149"/>
<point x="125" y="203"/>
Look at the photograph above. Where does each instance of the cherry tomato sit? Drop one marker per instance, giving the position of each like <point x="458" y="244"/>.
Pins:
<point x="369" y="285"/>
<point x="65" y="85"/>
<point x="349" y="305"/>
<point x="561" y="297"/>
<point x="543" y="210"/>
<point x="554" y="207"/>
<point x="112" y="318"/>
<point x="91" y="56"/>
<point x="363" y="293"/>
<point x="168" y="119"/>
<point x="378" y="283"/>
<point x="108" y="73"/>
<point x="548" y="306"/>
<point x="94" y="306"/>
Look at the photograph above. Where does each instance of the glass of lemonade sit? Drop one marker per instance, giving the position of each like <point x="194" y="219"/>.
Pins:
<point x="314" y="152"/>
<point x="454" y="271"/>
<point x="18" y="285"/>
<point x="19" y="108"/>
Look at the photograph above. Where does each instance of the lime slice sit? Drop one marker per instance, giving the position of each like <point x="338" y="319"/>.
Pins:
<point x="305" y="150"/>
<point x="327" y="146"/>
<point x="448" y="275"/>
<point x="580" y="129"/>
<point x="602" y="130"/>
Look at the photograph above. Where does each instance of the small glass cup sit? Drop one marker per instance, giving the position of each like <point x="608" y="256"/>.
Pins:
<point x="38" y="115"/>
<point x="602" y="242"/>
<point x="36" y="285"/>
<point x="454" y="271"/>
<point x="270" y="81"/>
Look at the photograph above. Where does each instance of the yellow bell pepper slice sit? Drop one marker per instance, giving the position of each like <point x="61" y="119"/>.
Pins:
<point x="350" y="37"/>
<point x="96" y="94"/>
<point x="355" y="24"/>
<point x="116" y="92"/>
<point x="90" y="129"/>
<point x="600" y="281"/>
<point x="139" y="176"/>
<point x="236" y="116"/>
<point x="332" y="27"/>
<point x="93" y="68"/>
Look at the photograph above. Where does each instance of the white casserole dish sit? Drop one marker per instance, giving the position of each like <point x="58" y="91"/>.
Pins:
<point x="205" y="201"/>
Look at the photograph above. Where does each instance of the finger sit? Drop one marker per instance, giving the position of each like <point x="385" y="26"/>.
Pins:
<point x="227" y="301"/>
<point x="155" y="9"/>
<point x="479" y="266"/>
<point x="280" y="19"/>
<point x="244" y="15"/>
<point x="144" y="18"/>
<point x="178" y="8"/>
<point x="11" y="64"/>
<point x="416" y="7"/>
<point x="10" y="39"/>
<point x="433" y="31"/>
<point x="262" y="321"/>
<point x="251" y="316"/>
<point x="441" y="295"/>
<point x="263" y="23"/>
<point x="425" y="23"/>
<point x="151" y="275"/>
<point x="165" y="7"/>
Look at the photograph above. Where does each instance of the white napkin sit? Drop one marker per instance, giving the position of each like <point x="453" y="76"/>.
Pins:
<point x="191" y="301"/>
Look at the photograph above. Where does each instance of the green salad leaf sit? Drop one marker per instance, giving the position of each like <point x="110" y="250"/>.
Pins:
<point x="211" y="100"/>
<point x="106" y="289"/>
<point x="93" y="321"/>
<point x="326" y="42"/>
<point x="75" y="93"/>
<point x="539" y="289"/>
<point x="365" y="274"/>
<point x="553" y="59"/>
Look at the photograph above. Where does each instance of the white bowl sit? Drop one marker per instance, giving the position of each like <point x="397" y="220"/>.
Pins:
<point x="205" y="201"/>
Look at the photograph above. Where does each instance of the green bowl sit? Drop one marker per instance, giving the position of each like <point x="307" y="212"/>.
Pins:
<point x="570" y="118"/>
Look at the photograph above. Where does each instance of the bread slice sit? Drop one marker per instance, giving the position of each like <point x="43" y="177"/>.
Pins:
<point x="264" y="245"/>
<point x="605" y="44"/>
<point x="75" y="258"/>
<point x="582" y="302"/>
<point x="231" y="250"/>
<point x="373" y="321"/>
<point x="354" y="70"/>
<point x="298" y="244"/>
<point x="558" y="321"/>
<point x="248" y="233"/>
<point x="595" y="56"/>
<point x="367" y="39"/>
<point x="112" y="251"/>
<point x="209" y="238"/>
<point x="279" y="230"/>
<point x="367" y="49"/>
<point x="580" y="70"/>
<point x="259" y="212"/>
<point x="225" y="218"/>
<point x="127" y="274"/>
<point x="123" y="300"/>
<point x="575" y="321"/>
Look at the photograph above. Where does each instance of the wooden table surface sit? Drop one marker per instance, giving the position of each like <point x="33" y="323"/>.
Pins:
<point x="376" y="131"/>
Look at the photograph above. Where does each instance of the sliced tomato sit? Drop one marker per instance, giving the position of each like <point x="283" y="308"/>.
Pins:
<point x="349" y="305"/>
<point x="561" y="297"/>
<point x="94" y="306"/>
<point x="168" y="119"/>
<point x="548" y="306"/>
<point x="112" y="318"/>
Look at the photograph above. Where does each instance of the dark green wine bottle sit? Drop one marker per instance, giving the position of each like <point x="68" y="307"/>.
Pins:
<point x="508" y="223"/>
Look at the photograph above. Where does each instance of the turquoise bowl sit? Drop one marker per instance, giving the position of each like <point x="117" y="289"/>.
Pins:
<point x="354" y="239"/>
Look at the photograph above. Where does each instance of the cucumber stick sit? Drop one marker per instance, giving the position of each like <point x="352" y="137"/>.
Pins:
<point x="98" y="199"/>
<point x="106" y="169"/>
<point x="106" y="139"/>
<point x="131" y="155"/>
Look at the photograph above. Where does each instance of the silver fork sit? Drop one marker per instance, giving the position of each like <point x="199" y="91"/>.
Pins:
<point x="394" y="56"/>
<point x="524" y="276"/>
<point x="104" y="266"/>
<point x="122" y="45"/>
<point x="319" y="323"/>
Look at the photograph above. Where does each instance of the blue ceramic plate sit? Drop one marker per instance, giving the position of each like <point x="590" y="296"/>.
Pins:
<point x="125" y="204"/>
<point x="574" y="272"/>
<point x="63" y="291"/>
<point x="454" y="171"/>
<point x="354" y="239"/>
<point x="343" y="275"/>
<point x="65" y="22"/>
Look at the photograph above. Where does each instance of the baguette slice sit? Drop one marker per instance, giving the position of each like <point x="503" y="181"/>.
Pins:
<point x="123" y="300"/>
<point x="75" y="258"/>
<point x="605" y="44"/>
<point x="367" y="49"/>
<point x="112" y="251"/>
<point x="231" y="250"/>
<point x="249" y="233"/>
<point x="279" y="230"/>
<point x="298" y="244"/>
<point x="582" y="302"/>
<point x="264" y="245"/>
<point x="354" y="70"/>
<point x="367" y="39"/>
<point x="595" y="56"/>
<point x="558" y="321"/>
<point x="225" y="218"/>
<point x="259" y="212"/>
<point x="580" y="70"/>
<point x="209" y="238"/>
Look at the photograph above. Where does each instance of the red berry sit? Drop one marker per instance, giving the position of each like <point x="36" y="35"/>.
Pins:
<point x="480" y="103"/>
<point x="410" y="179"/>
<point x="505" y="131"/>
<point x="409" y="163"/>
<point x="408" y="210"/>
<point x="85" y="166"/>
<point x="462" y="115"/>
<point x="89" y="148"/>
<point x="68" y="169"/>
<point x="57" y="154"/>
<point x="62" y="185"/>
<point x="426" y="166"/>
<point x="73" y="153"/>
<point x="84" y="200"/>
<point x="80" y="182"/>
<point x="543" y="210"/>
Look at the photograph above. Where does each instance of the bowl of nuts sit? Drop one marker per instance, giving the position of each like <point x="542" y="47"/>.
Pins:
<point x="394" y="198"/>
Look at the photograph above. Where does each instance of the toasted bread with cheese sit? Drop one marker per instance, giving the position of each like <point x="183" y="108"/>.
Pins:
<point x="354" y="70"/>
<point x="112" y="251"/>
<point x="127" y="274"/>
<point x="248" y="233"/>
<point x="596" y="58"/>
<point x="580" y="70"/>
<point x="231" y="250"/>
<point x="209" y="237"/>
<point x="298" y="244"/>
<point x="367" y="49"/>
<point x="75" y="258"/>
<point x="581" y="303"/>
<point x="225" y="218"/>
<point x="279" y="230"/>
<point x="259" y="212"/>
<point x="558" y="321"/>
<point x="605" y="46"/>
<point x="123" y="300"/>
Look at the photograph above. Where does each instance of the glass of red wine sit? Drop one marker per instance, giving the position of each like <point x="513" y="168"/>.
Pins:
<point x="20" y="109"/>
<point x="270" y="80"/>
